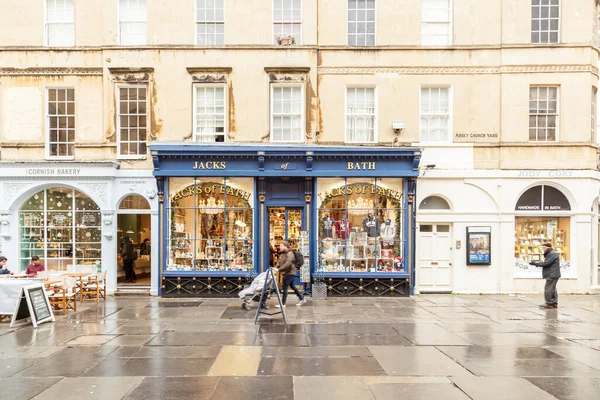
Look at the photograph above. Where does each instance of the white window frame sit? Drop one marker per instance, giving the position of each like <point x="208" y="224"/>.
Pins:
<point x="195" y="135"/>
<point x="118" y="115"/>
<point x="47" y="119"/>
<point x="214" y="22"/>
<point x="594" y="108"/>
<point x="540" y="31"/>
<point x="376" y="112"/>
<point x="450" y="137"/>
<point x="450" y="23"/>
<point x="290" y="22"/>
<point x="120" y="22"/>
<point x="47" y="23"/>
<point x="558" y="109"/>
<point x="303" y="111"/>
<point x="355" y="34"/>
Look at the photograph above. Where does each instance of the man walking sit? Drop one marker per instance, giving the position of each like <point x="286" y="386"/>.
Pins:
<point x="128" y="258"/>
<point x="551" y="273"/>
<point x="287" y="267"/>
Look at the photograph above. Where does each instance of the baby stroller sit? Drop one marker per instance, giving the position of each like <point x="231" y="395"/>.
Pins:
<point x="252" y="292"/>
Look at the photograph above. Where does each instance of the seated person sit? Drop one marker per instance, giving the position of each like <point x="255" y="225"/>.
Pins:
<point x="4" y="268"/>
<point x="35" y="266"/>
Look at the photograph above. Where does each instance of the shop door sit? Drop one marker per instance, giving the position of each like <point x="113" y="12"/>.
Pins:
<point x="285" y="224"/>
<point x="435" y="264"/>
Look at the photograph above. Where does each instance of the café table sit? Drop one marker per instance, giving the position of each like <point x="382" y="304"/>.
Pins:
<point x="23" y="276"/>
<point x="79" y="276"/>
<point x="10" y="290"/>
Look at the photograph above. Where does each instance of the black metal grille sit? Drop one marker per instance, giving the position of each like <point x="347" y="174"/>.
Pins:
<point x="178" y="286"/>
<point x="368" y="287"/>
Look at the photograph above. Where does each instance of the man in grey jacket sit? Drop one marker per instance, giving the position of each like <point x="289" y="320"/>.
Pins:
<point x="551" y="273"/>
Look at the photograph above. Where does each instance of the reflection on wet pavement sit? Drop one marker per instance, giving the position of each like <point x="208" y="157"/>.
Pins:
<point x="424" y="347"/>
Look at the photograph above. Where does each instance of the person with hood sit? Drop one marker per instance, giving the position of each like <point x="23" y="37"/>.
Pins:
<point x="128" y="255"/>
<point x="287" y="268"/>
<point x="551" y="273"/>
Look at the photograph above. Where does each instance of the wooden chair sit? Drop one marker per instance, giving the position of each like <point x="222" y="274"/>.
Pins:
<point x="64" y="296"/>
<point x="95" y="287"/>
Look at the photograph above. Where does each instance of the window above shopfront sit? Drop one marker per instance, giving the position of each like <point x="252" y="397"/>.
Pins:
<point x="134" y="202"/>
<point x="543" y="198"/>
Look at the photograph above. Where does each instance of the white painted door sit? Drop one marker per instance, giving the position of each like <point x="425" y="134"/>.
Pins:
<point x="435" y="258"/>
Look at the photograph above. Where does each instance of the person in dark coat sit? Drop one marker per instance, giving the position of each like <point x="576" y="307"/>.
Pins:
<point x="128" y="259"/>
<point x="551" y="273"/>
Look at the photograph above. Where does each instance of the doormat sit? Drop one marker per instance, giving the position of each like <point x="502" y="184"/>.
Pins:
<point x="175" y="304"/>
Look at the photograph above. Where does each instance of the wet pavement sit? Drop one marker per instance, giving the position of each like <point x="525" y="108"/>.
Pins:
<point x="424" y="347"/>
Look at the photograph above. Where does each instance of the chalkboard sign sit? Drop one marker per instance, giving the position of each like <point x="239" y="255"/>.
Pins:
<point x="36" y="306"/>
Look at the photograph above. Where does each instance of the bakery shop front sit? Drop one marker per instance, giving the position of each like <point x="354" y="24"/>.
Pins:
<point x="224" y="210"/>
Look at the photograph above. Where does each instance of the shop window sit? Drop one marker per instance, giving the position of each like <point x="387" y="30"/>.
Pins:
<point x="436" y="114"/>
<point x="132" y="22"/>
<point x="60" y="125"/>
<point x="436" y="19"/>
<point x="532" y="232"/>
<point x="61" y="226"/>
<point x="210" y="23"/>
<point x="360" y="225"/>
<point x="361" y="115"/>
<point x="361" y="22"/>
<point x="434" y="203"/>
<point x="60" y="23"/>
<point x="132" y="121"/>
<point x="545" y="17"/>
<point x="287" y="20"/>
<point x="209" y="118"/>
<point x="287" y="113"/>
<point x="211" y="224"/>
<point x="134" y="202"/>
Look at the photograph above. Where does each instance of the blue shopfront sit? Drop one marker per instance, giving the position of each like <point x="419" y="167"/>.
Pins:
<point x="224" y="210"/>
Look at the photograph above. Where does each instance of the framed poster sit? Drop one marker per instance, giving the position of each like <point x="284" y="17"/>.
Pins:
<point x="479" y="241"/>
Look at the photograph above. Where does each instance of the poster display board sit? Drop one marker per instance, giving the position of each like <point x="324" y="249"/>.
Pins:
<point x="479" y="245"/>
<point x="33" y="303"/>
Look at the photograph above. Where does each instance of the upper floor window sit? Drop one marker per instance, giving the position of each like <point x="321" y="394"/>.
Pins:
<point x="60" y="23"/>
<point x="361" y="22"/>
<point x="436" y="21"/>
<point x="210" y="22"/>
<point x="132" y="121"/>
<point x="594" y="90"/>
<point x="287" y="20"/>
<point x="60" y="123"/>
<point x="132" y="22"/>
<point x="287" y="113"/>
<point x="361" y="115"/>
<point x="436" y="114"/>
<point x="543" y="113"/>
<point x="545" y="16"/>
<point x="209" y="118"/>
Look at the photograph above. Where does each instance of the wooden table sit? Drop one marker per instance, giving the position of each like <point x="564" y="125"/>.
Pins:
<point x="80" y="276"/>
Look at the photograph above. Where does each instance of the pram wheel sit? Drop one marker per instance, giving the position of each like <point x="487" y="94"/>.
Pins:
<point x="245" y="306"/>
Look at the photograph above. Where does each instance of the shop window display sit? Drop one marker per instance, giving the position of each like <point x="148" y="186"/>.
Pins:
<point x="61" y="226"/>
<point x="360" y="225"/>
<point x="532" y="232"/>
<point x="210" y="224"/>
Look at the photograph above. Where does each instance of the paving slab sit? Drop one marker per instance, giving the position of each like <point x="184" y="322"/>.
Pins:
<point x="237" y="361"/>
<point x="281" y="339"/>
<point x="529" y="367"/>
<point x="317" y="366"/>
<point x="358" y="340"/>
<point x="497" y="353"/>
<point x="70" y="362"/>
<point x="332" y="388"/>
<point x="152" y="367"/>
<point x="177" y="352"/>
<point x="90" y="388"/>
<point x="569" y="388"/>
<point x="25" y="388"/>
<point x="12" y="366"/>
<point x="130" y="340"/>
<point x="174" y="388"/>
<point x="500" y="388"/>
<point x="419" y="361"/>
<point x="205" y="339"/>
<point x="258" y="387"/>
<point x="411" y="391"/>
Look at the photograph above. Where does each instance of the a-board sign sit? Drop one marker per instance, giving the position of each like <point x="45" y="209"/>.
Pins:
<point x="33" y="303"/>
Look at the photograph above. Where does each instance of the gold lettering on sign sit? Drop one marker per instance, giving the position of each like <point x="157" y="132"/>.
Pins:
<point x="285" y="166"/>
<point x="208" y="189"/>
<point x="360" y="166"/>
<point x="209" y="165"/>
